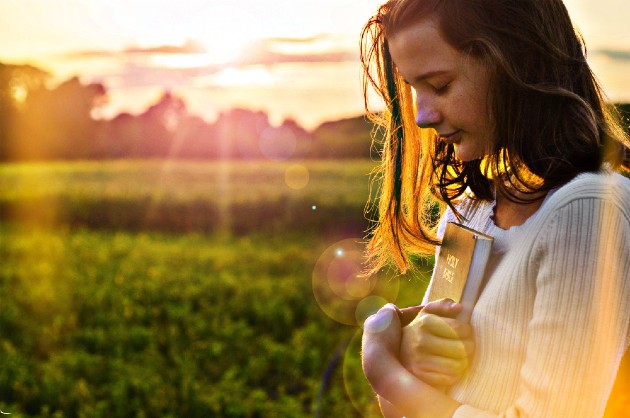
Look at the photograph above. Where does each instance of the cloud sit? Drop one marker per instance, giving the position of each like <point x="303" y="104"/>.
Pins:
<point x="317" y="49"/>
<point x="188" y="47"/>
<point x="173" y="66"/>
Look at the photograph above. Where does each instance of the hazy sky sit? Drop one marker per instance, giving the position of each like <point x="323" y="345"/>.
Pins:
<point x="30" y="27"/>
<point x="43" y="32"/>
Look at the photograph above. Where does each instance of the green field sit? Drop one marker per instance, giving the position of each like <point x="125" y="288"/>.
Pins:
<point x="188" y="196"/>
<point x="157" y="289"/>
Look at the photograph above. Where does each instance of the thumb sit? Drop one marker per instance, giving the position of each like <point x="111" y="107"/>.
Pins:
<point x="446" y="308"/>
<point x="383" y="319"/>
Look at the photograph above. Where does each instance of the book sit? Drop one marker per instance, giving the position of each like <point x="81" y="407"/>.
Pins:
<point x="460" y="266"/>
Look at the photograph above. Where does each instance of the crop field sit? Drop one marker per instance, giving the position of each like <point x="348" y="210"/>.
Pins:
<point x="188" y="196"/>
<point x="154" y="289"/>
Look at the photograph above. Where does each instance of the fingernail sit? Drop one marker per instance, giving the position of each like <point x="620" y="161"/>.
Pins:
<point x="378" y="322"/>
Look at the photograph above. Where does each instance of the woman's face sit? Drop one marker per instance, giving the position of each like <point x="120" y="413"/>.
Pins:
<point x="451" y="88"/>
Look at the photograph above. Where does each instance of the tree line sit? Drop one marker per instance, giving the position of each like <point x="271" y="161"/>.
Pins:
<point x="51" y="123"/>
<point x="38" y="122"/>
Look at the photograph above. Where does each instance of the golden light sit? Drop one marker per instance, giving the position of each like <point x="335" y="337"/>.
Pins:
<point x="256" y="75"/>
<point x="181" y="60"/>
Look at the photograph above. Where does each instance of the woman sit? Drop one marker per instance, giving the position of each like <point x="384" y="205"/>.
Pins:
<point x="514" y="139"/>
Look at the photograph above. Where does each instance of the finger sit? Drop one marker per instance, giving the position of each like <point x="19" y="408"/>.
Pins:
<point x="443" y="307"/>
<point x="418" y="343"/>
<point x="443" y="347"/>
<point x="408" y="314"/>
<point x="438" y="371"/>
<point x="437" y="380"/>
<point x="445" y="327"/>
<point x="443" y="365"/>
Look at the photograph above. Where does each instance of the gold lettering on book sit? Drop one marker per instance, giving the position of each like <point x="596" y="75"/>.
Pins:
<point x="452" y="262"/>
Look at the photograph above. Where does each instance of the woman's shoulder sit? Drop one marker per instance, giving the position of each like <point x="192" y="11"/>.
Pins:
<point x="606" y="185"/>
<point x="587" y="197"/>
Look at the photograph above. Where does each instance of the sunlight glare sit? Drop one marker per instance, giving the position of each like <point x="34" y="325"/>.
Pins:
<point x="248" y="76"/>
<point x="181" y="60"/>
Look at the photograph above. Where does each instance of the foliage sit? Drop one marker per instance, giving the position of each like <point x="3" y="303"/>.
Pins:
<point x="116" y="320"/>
<point x="62" y="122"/>
<point x="138" y="324"/>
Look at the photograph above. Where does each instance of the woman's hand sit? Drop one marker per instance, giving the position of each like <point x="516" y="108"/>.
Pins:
<point x="436" y="347"/>
<point x="404" y="393"/>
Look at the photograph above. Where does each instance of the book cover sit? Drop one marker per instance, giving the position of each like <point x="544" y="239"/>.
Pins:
<point x="460" y="266"/>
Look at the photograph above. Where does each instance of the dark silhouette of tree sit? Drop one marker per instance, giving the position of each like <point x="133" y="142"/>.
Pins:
<point x="195" y="139"/>
<point x="159" y="123"/>
<point x="38" y="123"/>
<point x="17" y="84"/>
<point x="57" y="123"/>
<point x="345" y="138"/>
<point x="122" y="137"/>
<point x="239" y="131"/>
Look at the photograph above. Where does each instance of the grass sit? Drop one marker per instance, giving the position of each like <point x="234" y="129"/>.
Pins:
<point x="188" y="196"/>
<point x="102" y="320"/>
<point x="101" y="323"/>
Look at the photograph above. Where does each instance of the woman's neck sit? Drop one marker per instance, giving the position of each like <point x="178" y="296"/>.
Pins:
<point x="508" y="213"/>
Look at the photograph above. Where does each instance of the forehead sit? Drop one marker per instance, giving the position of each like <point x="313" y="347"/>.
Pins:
<point x="420" y="48"/>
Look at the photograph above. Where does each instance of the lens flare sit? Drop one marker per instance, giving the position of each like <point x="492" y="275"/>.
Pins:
<point x="296" y="176"/>
<point x="277" y="144"/>
<point x="342" y="274"/>
<point x="368" y="306"/>
<point x="342" y="292"/>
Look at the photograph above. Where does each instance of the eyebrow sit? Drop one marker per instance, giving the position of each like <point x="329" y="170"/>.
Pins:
<point x="426" y="75"/>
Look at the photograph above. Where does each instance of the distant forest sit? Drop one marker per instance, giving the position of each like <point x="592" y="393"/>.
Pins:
<point x="42" y="123"/>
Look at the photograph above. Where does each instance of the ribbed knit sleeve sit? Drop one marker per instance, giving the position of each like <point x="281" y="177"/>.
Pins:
<point x="560" y="338"/>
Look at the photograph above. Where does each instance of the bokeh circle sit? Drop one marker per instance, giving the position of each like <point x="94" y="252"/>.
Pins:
<point x="342" y="291"/>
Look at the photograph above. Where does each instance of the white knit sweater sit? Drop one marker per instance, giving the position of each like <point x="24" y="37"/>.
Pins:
<point x="553" y="321"/>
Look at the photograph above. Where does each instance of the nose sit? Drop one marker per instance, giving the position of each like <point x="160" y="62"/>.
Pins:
<point x="427" y="115"/>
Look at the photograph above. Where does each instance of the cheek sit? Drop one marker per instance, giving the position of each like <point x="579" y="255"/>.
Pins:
<point x="477" y="108"/>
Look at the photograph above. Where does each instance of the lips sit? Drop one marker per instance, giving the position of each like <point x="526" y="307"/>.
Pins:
<point x="451" y="138"/>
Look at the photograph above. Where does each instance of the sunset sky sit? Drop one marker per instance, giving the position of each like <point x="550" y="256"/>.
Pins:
<point x="292" y="58"/>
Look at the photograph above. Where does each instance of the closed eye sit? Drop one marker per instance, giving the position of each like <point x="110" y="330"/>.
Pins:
<point x="442" y="89"/>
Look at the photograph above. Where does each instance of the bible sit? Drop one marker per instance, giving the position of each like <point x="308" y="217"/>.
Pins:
<point x="459" y="268"/>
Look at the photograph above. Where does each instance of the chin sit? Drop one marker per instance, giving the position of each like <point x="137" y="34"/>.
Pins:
<point x="465" y="155"/>
<point x="466" y="152"/>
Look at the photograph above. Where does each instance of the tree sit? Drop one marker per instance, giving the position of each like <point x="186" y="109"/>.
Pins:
<point x="17" y="84"/>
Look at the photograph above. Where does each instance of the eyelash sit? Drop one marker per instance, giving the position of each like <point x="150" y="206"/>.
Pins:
<point x="441" y="90"/>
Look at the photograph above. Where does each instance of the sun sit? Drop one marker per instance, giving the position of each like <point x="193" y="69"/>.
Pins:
<point x="253" y="75"/>
<point x="222" y="52"/>
<point x="226" y="32"/>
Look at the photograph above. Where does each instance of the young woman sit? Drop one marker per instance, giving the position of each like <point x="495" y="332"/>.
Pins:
<point x="495" y="118"/>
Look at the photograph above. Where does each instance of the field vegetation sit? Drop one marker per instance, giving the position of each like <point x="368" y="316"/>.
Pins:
<point x="156" y="289"/>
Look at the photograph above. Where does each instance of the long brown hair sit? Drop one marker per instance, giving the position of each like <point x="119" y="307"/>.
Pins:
<point x="550" y="115"/>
